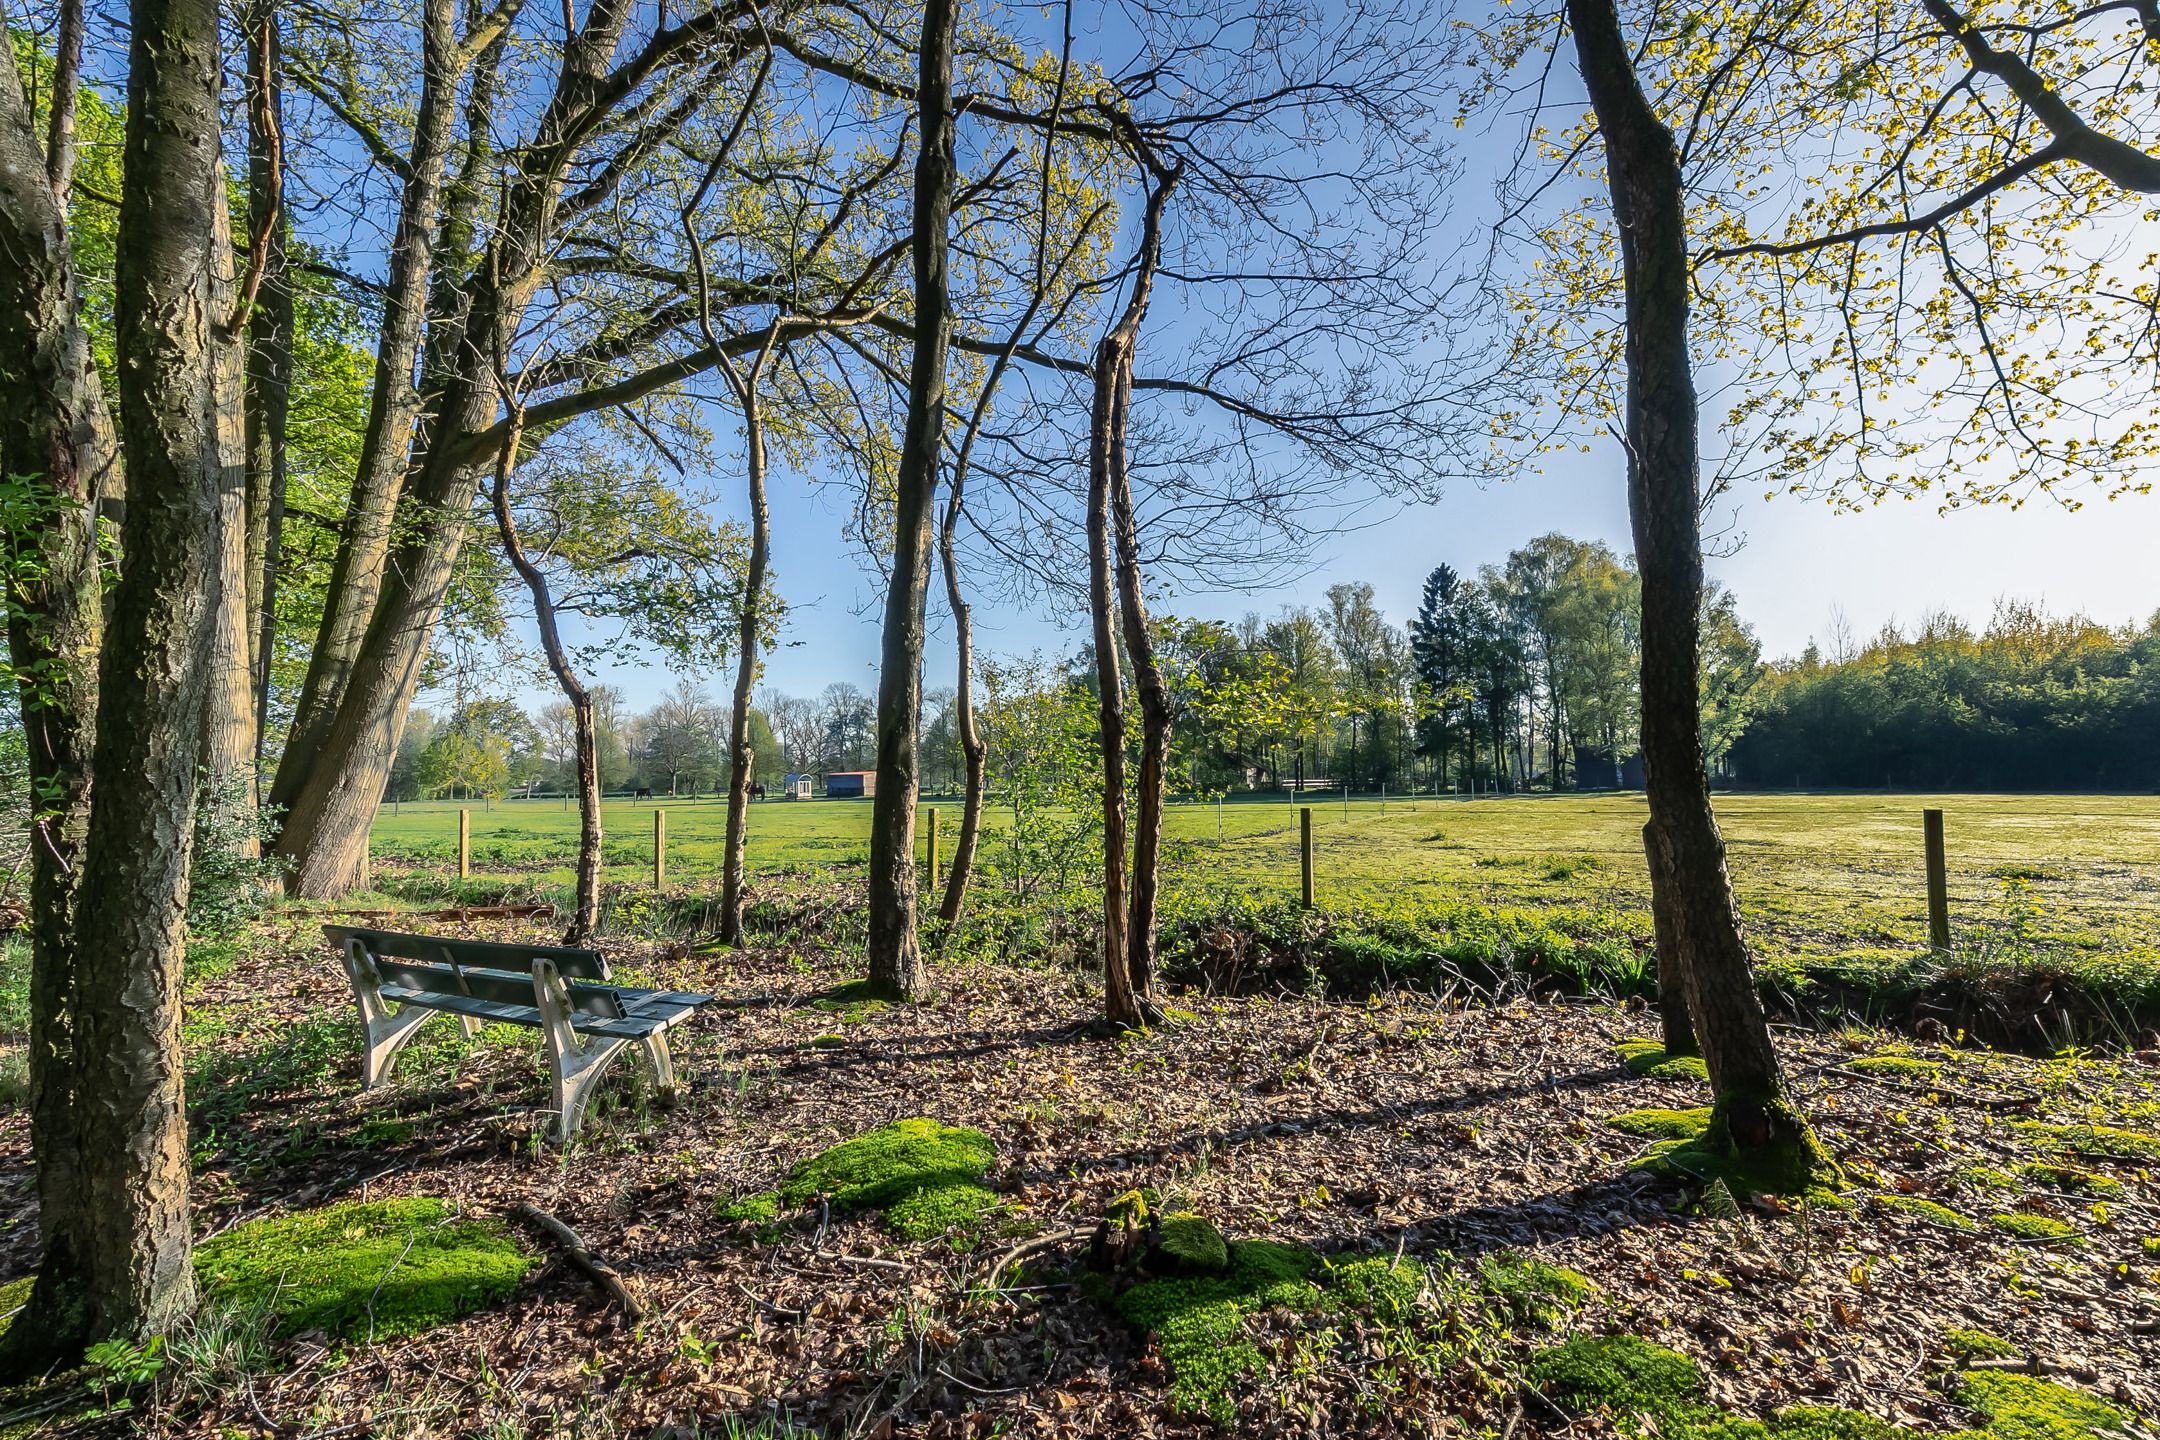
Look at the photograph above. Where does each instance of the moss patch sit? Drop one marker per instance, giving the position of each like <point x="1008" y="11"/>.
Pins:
<point x="1187" y="1244"/>
<point x="1662" y="1124"/>
<point x="1198" y="1322"/>
<point x="1625" y="1376"/>
<point x="1648" y="1058"/>
<point x="2107" y="1141"/>
<point x="1976" y="1345"/>
<point x="1781" y="1157"/>
<point x="1909" y="1066"/>
<point x="2070" y="1179"/>
<point x="2033" y="1227"/>
<point x="759" y="1208"/>
<point x="926" y="1177"/>
<point x="13" y="1296"/>
<point x="1618" y="1374"/>
<point x="1532" y="1291"/>
<point x="1941" y="1216"/>
<point x="372" y="1270"/>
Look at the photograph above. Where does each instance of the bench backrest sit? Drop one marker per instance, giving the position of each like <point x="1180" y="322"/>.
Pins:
<point x="479" y="969"/>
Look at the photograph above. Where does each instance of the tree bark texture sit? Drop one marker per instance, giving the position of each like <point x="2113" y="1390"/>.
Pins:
<point x="750" y="638"/>
<point x="1678" y="1024"/>
<point x="974" y="753"/>
<point x="230" y="741"/>
<point x="1121" y="1007"/>
<point x="116" y="1251"/>
<point x="1649" y="212"/>
<point x="1113" y="405"/>
<point x="56" y="438"/>
<point x="269" y="350"/>
<point x="896" y="965"/>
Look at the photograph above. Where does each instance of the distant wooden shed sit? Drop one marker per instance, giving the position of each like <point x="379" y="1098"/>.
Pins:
<point x="795" y="787"/>
<point x="850" y="784"/>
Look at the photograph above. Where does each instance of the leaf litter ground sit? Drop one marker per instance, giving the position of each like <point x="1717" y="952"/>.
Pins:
<point x="1404" y="1129"/>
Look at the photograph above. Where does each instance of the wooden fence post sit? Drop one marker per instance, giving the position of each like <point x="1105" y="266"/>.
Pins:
<point x="1305" y="853"/>
<point x="1938" y="881"/>
<point x="659" y="848"/>
<point x="464" y="844"/>
<point x="933" y="847"/>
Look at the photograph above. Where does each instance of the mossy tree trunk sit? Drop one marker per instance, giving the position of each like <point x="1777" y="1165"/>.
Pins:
<point x="1753" y="1119"/>
<point x="750" y="637"/>
<point x="1673" y="1014"/>
<point x="116" y="1244"/>
<point x="896" y="963"/>
<point x="57" y="444"/>
<point x="270" y="345"/>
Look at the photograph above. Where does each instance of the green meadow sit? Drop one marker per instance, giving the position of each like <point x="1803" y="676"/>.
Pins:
<point x="1818" y="874"/>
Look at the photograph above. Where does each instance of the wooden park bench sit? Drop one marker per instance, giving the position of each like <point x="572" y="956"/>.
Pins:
<point x="561" y="991"/>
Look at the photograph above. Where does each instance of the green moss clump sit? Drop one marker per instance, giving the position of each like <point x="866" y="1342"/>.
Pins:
<point x="1386" y="1289"/>
<point x="760" y="1208"/>
<point x="926" y="1177"/>
<point x="2033" y="1227"/>
<point x="2151" y="1246"/>
<point x="2107" y="1141"/>
<point x="1648" y="1058"/>
<point x="13" y="1296"/>
<point x="1198" y="1321"/>
<point x="1662" y="1124"/>
<point x="1976" y="1345"/>
<point x="1784" y="1159"/>
<point x="1909" y="1066"/>
<point x="937" y="1210"/>
<point x="1988" y="1177"/>
<point x="2024" y="1407"/>
<point x="2071" y="1179"/>
<point x="1187" y="1244"/>
<point x="1617" y="1373"/>
<point x="827" y="1042"/>
<point x="1533" y="1292"/>
<point x="372" y="1270"/>
<point x="1935" y="1214"/>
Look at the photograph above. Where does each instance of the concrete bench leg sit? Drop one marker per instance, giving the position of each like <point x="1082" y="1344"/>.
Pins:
<point x="663" y="1064"/>
<point x="386" y="1033"/>
<point x="577" y="1064"/>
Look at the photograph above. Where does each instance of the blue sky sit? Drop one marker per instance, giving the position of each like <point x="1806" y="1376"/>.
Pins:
<point x="1800" y="562"/>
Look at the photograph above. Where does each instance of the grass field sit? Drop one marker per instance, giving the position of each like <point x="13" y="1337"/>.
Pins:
<point x="1818" y="874"/>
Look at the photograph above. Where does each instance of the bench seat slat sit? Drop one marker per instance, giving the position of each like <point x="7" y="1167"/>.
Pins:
<point x="629" y="1027"/>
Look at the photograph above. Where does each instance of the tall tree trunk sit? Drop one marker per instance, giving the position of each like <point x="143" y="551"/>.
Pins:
<point x="356" y="571"/>
<point x="56" y="436"/>
<point x="1120" y="1005"/>
<point x="269" y="351"/>
<point x="896" y="966"/>
<point x="585" y="920"/>
<point x="1673" y="1015"/>
<point x="116" y="1249"/>
<point x="1753" y="1123"/>
<point x="974" y="753"/>
<point x="750" y="637"/>
<point x="230" y="741"/>
<point x="1113" y="405"/>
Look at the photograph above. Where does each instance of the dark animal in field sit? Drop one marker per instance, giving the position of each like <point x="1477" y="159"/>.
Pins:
<point x="644" y="792"/>
<point x="757" y="790"/>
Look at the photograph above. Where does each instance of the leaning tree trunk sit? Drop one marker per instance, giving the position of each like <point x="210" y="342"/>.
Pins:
<point x="269" y="350"/>
<point x="974" y="753"/>
<point x="364" y="543"/>
<point x="116" y="1254"/>
<point x="750" y="636"/>
<point x="56" y="436"/>
<point x="1754" y="1125"/>
<point x="1113" y="405"/>
<point x="896" y="965"/>
<point x="585" y="919"/>
<point x="1120" y="1005"/>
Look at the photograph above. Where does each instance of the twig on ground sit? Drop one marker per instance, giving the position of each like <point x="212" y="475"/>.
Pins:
<point x="579" y="1254"/>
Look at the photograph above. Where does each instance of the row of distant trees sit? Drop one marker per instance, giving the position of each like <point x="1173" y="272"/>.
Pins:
<point x="2031" y="701"/>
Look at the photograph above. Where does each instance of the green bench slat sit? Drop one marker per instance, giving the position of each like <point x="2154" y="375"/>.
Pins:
<point x="573" y="962"/>
<point x="629" y="1027"/>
